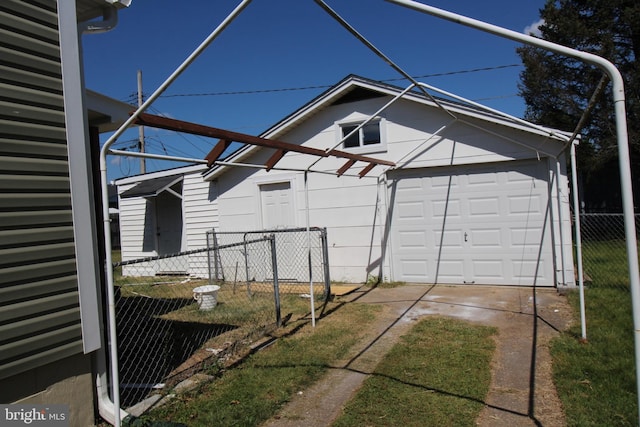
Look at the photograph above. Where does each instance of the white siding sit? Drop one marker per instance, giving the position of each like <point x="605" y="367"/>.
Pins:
<point x="354" y="210"/>
<point x="137" y="234"/>
<point x="351" y="210"/>
<point x="200" y="215"/>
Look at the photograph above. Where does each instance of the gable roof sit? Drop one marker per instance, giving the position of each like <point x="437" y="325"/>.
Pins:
<point x="151" y="187"/>
<point x="356" y="88"/>
<point x="179" y="171"/>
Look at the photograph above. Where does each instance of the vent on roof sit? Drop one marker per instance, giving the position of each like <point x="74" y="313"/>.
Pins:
<point x="358" y="94"/>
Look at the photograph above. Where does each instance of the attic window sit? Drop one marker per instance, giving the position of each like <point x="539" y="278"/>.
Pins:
<point x="366" y="139"/>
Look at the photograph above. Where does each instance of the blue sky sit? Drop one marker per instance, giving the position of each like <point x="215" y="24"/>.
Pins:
<point x="287" y="44"/>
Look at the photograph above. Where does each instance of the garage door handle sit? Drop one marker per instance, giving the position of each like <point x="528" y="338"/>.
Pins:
<point x="465" y="236"/>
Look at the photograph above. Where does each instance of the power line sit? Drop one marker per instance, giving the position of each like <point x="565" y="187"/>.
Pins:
<point x="290" y="89"/>
<point x="132" y="99"/>
<point x="450" y="73"/>
<point x="491" y="98"/>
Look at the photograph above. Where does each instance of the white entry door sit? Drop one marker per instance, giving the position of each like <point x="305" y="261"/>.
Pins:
<point x="277" y="205"/>
<point x="278" y="213"/>
<point x="486" y="224"/>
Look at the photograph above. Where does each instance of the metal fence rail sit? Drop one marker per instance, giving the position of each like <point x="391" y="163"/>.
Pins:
<point x="604" y="250"/>
<point x="182" y="313"/>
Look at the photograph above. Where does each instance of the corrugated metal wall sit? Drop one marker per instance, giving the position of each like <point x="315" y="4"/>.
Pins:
<point x="39" y="308"/>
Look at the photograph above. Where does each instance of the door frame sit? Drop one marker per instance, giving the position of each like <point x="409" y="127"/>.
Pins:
<point x="158" y="221"/>
<point x="275" y="179"/>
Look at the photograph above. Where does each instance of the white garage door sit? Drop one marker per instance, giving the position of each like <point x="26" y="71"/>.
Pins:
<point x="487" y="224"/>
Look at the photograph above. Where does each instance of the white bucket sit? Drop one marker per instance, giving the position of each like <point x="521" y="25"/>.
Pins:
<point x="207" y="296"/>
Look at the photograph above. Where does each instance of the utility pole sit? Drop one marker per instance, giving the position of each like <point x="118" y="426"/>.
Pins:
<point x="141" y="128"/>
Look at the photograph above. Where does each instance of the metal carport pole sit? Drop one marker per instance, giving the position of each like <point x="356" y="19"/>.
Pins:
<point x="111" y="312"/>
<point x="621" y="133"/>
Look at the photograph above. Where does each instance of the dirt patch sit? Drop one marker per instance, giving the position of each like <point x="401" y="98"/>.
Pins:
<point x="521" y="393"/>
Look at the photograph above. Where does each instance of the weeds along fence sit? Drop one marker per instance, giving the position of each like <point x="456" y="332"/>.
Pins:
<point x="178" y="314"/>
<point x="604" y="250"/>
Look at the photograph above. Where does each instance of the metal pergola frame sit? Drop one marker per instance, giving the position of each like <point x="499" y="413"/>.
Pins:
<point x="226" y="137"/>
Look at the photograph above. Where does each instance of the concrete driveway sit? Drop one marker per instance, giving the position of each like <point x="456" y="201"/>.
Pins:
<point x="522" y="392"/>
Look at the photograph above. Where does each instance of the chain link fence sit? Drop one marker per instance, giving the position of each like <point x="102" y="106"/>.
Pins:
<point x="301" y="259"/>
<point x="194" y="311"/>
<point x="604" y="251"/>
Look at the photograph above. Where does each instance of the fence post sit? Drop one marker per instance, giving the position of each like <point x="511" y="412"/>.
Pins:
<point x="216" y="257"/>
<point x="246" y="264"/>
<point x="276" y="286"/>
<point x="209" y="259"/>
<point x="325" y="263"/>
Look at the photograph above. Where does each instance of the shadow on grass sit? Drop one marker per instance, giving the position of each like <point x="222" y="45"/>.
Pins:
<point x="152" y="347"/>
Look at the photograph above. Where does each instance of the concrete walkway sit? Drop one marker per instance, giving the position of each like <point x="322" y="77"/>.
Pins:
<point x="521" y="393"/>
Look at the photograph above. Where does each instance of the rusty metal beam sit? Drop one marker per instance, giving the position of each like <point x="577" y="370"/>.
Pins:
<point x="217" y="151"/>
<point x="366" y="170"/>
<point x="159" y="122"/>
<point x="360" y="158"/>
<point x="275" y="158"/>
<point x="346" y="167"/>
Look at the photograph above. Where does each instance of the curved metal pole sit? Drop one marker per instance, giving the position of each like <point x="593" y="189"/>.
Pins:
<point x="547" y="131"/>
<point x="621" y="134"/>
<point x="111" y="312"/>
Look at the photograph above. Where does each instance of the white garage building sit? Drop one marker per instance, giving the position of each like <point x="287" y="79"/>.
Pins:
<point x="474" y="197"/>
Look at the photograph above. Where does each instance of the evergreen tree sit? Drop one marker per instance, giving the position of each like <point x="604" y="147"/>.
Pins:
<point x="557" y="89"/>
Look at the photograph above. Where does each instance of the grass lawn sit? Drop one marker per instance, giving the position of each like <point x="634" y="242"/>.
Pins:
<point x="596" y="380"/>
<point x="439" y="374"/>
<point x="254" y="391"/>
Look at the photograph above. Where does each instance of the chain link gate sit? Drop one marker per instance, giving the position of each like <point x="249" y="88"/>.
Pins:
<point x="302" y="260"/>
<point x="183" y="313"/>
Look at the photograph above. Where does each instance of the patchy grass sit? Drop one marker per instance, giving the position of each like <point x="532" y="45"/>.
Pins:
<point x="234" y="303"/>
<point x="254" y="391"/>
<point x="596" y="380"/>
<point x="390" y="285"/>
<point x="376" y="281"/>
<point x="439" y="374"/>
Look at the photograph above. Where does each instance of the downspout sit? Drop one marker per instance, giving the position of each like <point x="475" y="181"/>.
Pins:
<point x="621" y="136"/>
<point x="107" y="408"/>
<point x="576" y="213"/>
<point x="559" y="198"/>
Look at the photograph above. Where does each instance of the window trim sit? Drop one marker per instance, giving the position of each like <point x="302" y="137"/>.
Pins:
<point x="363" y="149"/>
